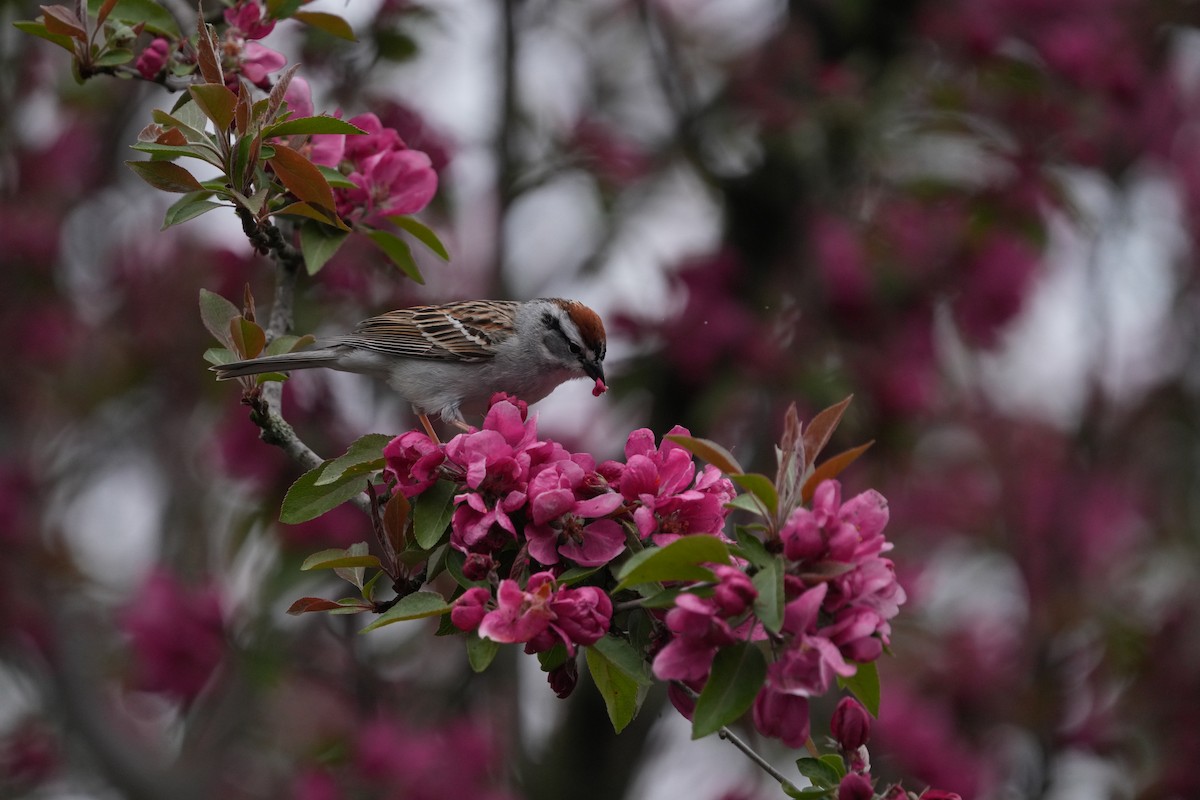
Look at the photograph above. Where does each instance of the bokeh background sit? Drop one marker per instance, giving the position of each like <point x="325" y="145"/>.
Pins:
<point x="976" y="216"/>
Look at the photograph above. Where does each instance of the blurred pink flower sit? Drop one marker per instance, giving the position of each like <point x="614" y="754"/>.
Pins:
<point x="246" y="16"/>
<point x="177" y="635"/>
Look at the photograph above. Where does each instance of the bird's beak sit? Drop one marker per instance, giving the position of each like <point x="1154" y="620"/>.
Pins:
<point x="594" y="369"/>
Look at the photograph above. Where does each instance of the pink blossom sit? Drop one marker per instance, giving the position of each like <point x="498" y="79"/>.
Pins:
<point x="855" y="786"/>
<point x="177" y="635"/>
<point x="470" y="608"/>
<point x="833" y="531"/>
<point x="560" y="511"/>
<point x="658" y="479"/>
<point x="391" y="182"/>
<point x="258" y="61"/>
<point x="153" y="58"/>
<point x="783" y="716"/>
<point x="246" y="16"/>
<point x="376" y="139"/>
<point x="412" y="460"/>
<point x="520" y="614"/>
<point x="699" y="631"/>
<point x="581" y="615"/>
<point x="735" y="591"/>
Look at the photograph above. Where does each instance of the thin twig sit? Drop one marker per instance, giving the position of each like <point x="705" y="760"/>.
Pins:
<point x="765" y="765"/>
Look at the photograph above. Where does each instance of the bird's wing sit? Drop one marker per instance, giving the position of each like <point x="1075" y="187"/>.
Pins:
<point x="468" y="331"/>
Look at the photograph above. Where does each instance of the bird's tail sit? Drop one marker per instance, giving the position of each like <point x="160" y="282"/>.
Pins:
<point x="285" y="362"/>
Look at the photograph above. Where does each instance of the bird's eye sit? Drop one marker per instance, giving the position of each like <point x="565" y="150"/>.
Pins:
<point x="575" y="349"/>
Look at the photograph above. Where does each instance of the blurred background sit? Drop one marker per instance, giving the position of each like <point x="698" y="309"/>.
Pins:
<point x="976" y="216"/>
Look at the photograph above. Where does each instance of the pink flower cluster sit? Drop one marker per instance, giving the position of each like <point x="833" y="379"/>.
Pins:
<point x="390" y="178"/>
<point x="555" y="509"/>
<point x="841" y="594"/>
<point x="540" y="616"/>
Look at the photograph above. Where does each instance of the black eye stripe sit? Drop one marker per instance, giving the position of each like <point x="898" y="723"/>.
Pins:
<point x="551" y="321"/>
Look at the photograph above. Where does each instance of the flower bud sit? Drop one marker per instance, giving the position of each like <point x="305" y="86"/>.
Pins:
<point x="851" y="725"/>
<point x="563" y="678"/>
<point x="855" y="787"/>
<point x="478" y="566"/>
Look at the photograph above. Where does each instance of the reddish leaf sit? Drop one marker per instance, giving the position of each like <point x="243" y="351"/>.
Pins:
<point x="165" y="175"/>
<point x="64" y="22"/>
<point x="243" y="109"/>
<point x="217" y="102"/>
<point x="275" y="99"/>
<point x="248" y="338"/>
<point x="395" y="522"/>
<point x="105" y="9"/>
<point x="301" y="177"/>
<point x="210" y="61"/>
<point x="172" y="136"/>
<point x="831" y="468"/>
<point x="306" y="604"/>
<point x="817" y="434"/>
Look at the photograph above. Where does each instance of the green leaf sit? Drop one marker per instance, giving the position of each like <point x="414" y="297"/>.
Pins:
<point x="311" y="125"/>
<point x="414" y="606"/>
<point x="822" y="772"/>
<point x="287" y="343"/>
<point x="318" y="243"/>
<point x="305" y="500"/>
<point x="188" y="208"/>
<point x="114" y="57"/>
<point x="362" y="456"/>
<point x="188" y="119"/>
<point x="752" y="548"/>
<point x="746" y="502"/>
<point x="624" y="657"/>
<point x="432" y="510"/>
<point x="760" y="486"/>
<point x="330" y="23"/>
<point x="575" y="575"/>
<point x="737" y="674"/>
<point x="423" y="234"/>
<point x="481" y="652"/>
<point x="678" y="561"/>
<point x="710" y="451"/>
<point x="399" y="252"/>
<point x="217" y="313"/>
<point x="339" y="559"/>
<point x="864" y="684"/>
<point x="336" y="179"/>
<point x="219" y="355"/>
<point x="39" y="30"/>
<point x="166" y="176"/>
<point x="620" y="692"/>
<point x="768" y="606"/>
<point x="217" y="102"/>
<point x="156" y="18"/>
<point x="806" y="793"/>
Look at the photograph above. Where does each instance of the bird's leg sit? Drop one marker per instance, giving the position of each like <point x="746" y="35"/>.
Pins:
<point x="428" y="426"/>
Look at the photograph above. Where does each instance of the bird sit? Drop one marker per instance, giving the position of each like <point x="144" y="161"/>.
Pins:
<point x="448" y="360"/>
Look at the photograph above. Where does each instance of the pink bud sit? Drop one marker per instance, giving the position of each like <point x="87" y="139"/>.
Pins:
<point x="851" y="725"/>
<point x="855" y="787"/>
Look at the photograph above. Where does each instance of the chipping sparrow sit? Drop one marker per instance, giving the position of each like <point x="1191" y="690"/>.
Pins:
<point x="450" y="359"/>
